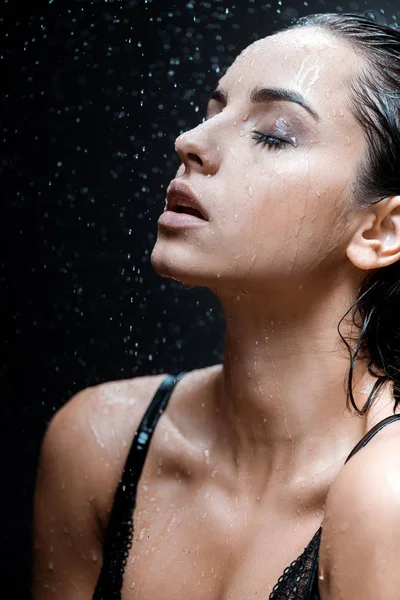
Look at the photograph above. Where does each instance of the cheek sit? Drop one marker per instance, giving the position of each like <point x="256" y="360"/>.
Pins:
<point x="303" y="187"/>
<point x="287" y="208"/>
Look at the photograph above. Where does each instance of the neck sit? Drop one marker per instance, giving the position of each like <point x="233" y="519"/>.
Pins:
<point x="282" y="388"/>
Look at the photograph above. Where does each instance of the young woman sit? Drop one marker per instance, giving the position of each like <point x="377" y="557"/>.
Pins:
<point x="275" y="474"/>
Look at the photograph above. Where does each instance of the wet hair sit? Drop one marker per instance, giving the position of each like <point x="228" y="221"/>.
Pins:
<point x="374" y="99"/>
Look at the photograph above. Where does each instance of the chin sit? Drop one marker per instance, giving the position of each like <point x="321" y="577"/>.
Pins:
<point x="177" y="266"/>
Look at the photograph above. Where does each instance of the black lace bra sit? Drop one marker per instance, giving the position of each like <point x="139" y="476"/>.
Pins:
<point x="299" y="581"/>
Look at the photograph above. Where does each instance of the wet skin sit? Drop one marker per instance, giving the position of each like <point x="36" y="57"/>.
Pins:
<point x="247" y="460"/>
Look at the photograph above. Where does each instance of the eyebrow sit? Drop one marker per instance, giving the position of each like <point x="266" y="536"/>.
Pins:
<point x="266" y="94"/>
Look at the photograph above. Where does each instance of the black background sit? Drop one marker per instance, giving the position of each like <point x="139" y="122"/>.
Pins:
<point x="93" y="96"/>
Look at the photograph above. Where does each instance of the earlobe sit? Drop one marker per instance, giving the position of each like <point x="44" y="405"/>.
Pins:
<point x="376" y="243"/>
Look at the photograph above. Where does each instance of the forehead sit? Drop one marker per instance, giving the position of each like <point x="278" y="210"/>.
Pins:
<point x="310" y="60"/>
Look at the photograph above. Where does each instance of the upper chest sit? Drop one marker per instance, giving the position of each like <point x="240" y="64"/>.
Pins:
<point x="193" y="539"/>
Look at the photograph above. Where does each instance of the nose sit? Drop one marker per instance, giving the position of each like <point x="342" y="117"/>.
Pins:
<point x="197" y="151"/>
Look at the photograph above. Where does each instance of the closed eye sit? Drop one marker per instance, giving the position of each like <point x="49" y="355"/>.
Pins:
<point x="269" y="140"/>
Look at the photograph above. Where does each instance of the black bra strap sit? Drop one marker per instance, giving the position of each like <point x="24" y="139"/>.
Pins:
<point x="370" y="434"/>
<point x="119" y="533"/>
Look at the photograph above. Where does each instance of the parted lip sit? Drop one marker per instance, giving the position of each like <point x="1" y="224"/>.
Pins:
<point x="180" y="194"/>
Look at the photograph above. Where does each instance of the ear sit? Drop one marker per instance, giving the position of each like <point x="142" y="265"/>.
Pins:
<point x="376" y="242"/>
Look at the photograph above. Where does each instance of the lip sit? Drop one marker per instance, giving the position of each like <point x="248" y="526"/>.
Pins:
<point x="180" y="190"/>
<point x="175" y="220"/>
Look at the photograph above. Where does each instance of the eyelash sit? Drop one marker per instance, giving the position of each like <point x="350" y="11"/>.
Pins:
<point x="265" y="140"/>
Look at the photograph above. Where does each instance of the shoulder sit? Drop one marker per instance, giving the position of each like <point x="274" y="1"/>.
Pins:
<point x="81" y="457"/>
<point x="90" y="435"/>
<point x="100" y="416"/>
<point x="361" y="528"/>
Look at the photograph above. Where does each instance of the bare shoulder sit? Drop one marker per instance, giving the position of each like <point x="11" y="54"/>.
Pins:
<point x="104" y="416"/>
<point x="98" y="425"/>
<point x="362" y="522"/>
<point x="80" y="461"/>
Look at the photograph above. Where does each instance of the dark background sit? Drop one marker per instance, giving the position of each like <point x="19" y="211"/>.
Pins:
<point x="94" y="94"/>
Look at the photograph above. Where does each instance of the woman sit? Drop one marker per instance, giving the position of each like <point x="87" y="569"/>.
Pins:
<point x="291" y="192"/>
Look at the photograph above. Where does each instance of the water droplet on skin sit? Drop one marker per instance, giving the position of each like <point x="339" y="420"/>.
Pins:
<point x="344" y="526"/>
<point x="347" y="140"/>
<point x="294" y="141"/>
<point x="50" y="565"/>
<point x="250" y="191"/>
<point x="235" y="218"/>
<point x="328" y="94"/>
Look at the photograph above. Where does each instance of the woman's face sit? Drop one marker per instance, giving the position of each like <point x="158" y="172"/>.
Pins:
<point x="278" y="205"/>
